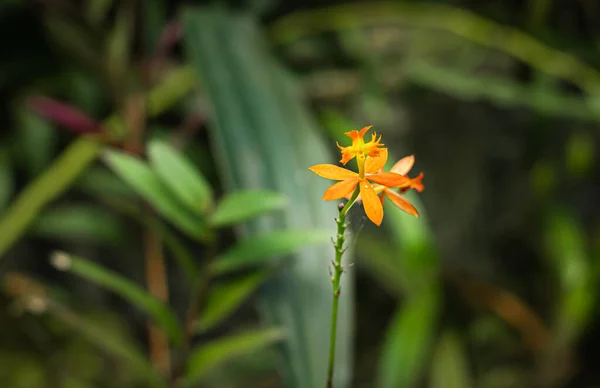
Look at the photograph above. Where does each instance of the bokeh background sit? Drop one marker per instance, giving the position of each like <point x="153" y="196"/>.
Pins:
<point x="494" y="286"/>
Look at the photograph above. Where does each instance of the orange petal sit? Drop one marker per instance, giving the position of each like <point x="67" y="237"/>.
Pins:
<point x="417" y="184"/>
<point x="371" y="202"/>
<point x="374" y="164"/>
<point x="330" y="171"/>
<point x="389" y="179"/>
<point x="340" y="189"/>
<point x="364" y="130"/>
<point x="354" y="134"/>
<point x="402" y="203"/>
<point x="404" y="165"/>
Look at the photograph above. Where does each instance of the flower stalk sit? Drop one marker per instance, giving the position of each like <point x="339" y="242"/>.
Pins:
<point x="369" y="186"/>
<point x="336" y="276"/>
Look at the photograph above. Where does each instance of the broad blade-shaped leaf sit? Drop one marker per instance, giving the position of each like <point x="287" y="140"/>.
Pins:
<point x="264" y="137"/>
<point x="262" y="249"/>
<point x="225" y="298"/>
<point x="149" y="186"/>
<point x="180" y="176"/>
<point x="244" y="205"/>
<point x="214" y="353"/>
<point x="123" y="287"/>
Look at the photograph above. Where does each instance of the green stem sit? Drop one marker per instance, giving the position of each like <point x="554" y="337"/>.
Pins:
<point x="338" y="269"/>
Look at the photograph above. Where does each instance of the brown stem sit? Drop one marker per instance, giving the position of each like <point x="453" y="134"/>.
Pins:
<point x="156" y="274"/>
<point x="157" y="285"/>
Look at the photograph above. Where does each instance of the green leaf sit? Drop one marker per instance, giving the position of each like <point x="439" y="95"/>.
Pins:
<point x="264" y="137"/>
<point x="580" y="153"/>
<point x="149" y="186"/>
<point x="7" y="184"/>
<point x="565" y="246"/>
<point x="79" y="222"/>
<point x="45" y="188"/>
<point x="381" y="259"/>
<point x="123" y="287"/>
<point x="36" y="142"/>
<point x="80" y="154"/>
<point x="212" y="354"/>
<point x="110" y="195"/>
<point x="113" y="344"/>
<point x="407" y="342"/>
<point x="262" y="249"/>
<point x="244" y="205"/>
<point x="96" y="10"/>
<point x="180" y="176"/>
<point x="445" y="19"/>
<point x="225" y="298"/>
<point x="450" y="366"/>
<point x="155" y="19"/>
<point x="100" y="180"/>
<point x="118" y="45"/>
<point x="104" y="335"/>
<point x="175" y="84"/>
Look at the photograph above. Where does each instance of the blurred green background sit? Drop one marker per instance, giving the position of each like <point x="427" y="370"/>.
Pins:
<point x="159" y="226"/>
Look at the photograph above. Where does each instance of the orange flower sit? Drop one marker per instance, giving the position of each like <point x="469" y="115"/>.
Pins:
<point x="402" y="167"/>
<point x="359" y="148"/>
<point x="349" y="179"/>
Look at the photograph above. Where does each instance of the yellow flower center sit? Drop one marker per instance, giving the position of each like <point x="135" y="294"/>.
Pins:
<point x="360" y="149"/>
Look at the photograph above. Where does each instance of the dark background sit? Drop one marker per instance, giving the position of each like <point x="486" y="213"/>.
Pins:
<point x="498" y="101"/>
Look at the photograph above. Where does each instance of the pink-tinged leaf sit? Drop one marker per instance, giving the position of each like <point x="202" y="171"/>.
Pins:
<point x="64" y="115"/>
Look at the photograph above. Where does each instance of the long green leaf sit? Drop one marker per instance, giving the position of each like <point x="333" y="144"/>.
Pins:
<point x="180" y="176"/>
<point x="407" y="342"/>
<point x="447" y="19"/>
<point x="100" y="180"/>
<point x="7" y="183"/>
<point x="175" y="84"/>
<point x="150" y="187"/>
<point x="117" y="346"/>
<point x="114" y="193"/>
<point x="123" y="287"/>
<point x="262" y="249"/>
<point x="244" y="205"/>
<point x="117" y="50"/>
<point x="76" y="158"/>
<point x="78" y="222"/>
<point x="214" y="353"/>
<point x="225" y="298"/>
<point x="264" y="138"/>
<point x="55" y="180"/>
<point x="114" y="344"/>
<point x="565" y="247"/>
<point x="450" y="365"/>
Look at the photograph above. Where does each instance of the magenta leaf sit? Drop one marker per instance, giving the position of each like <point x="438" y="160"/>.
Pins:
<point x="64" y="115"/>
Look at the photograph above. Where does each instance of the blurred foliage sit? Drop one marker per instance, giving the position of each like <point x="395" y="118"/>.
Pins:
<point x="154" y="189"/>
